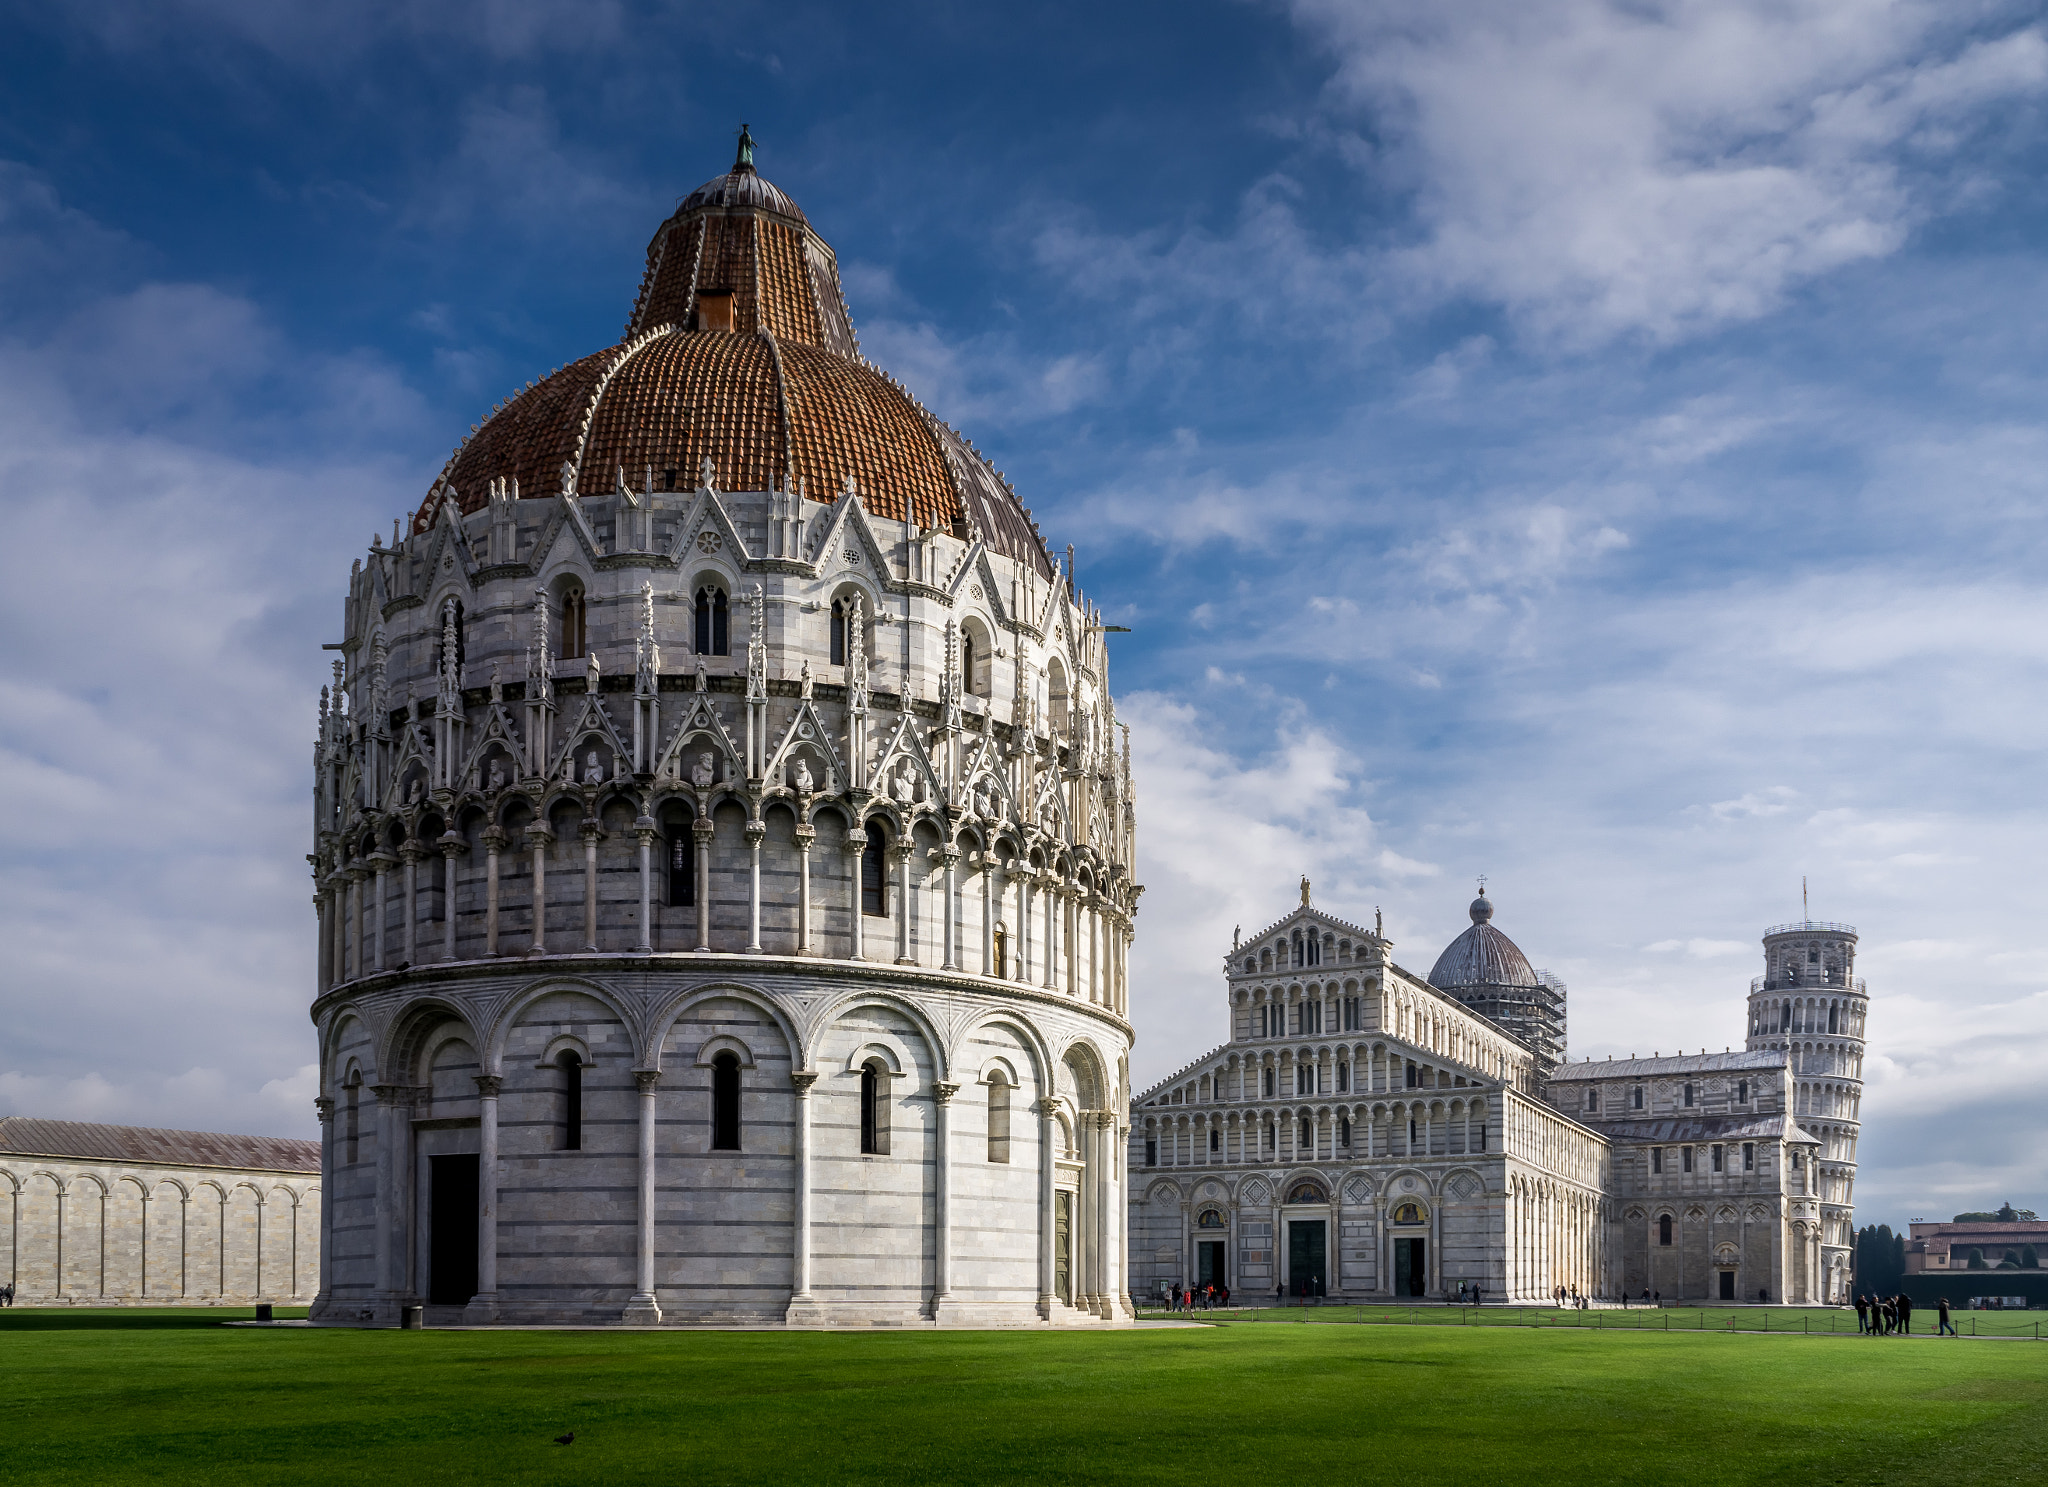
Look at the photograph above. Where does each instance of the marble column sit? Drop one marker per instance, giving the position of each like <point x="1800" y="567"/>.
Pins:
<point x="806" y="837"/>
<point x="643" y="1308"/>
<point x="324" y="1105"/>
<point x="483" y="1306"/>
<point x="452" y="849"/>
<point x="540" y="837"/>
<point x="755" y="833"/>
<point x="903" y="852"/>
<point x="942" y="1200"/>
<point x="409" y="853"/>
<point x="382" y="862"/>
<point x="851" y="852"/>
<point x="949" y="859"/>
<point x="393" y="1105"/>
<point x="647" y="833"/>
<point x="701" y="830"/>
<point x="1047" y="1155"/>
<point x="592" y="834"/>
<point x="803" y="1305"/>
<point x="494" y="843"/>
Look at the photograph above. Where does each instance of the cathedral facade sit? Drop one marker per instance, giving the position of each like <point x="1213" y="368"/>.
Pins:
<point x="722" y="849"/>
<point x="1370" y="1134"/>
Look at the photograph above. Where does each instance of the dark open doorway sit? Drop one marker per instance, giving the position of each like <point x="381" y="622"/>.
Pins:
<point x="1209" y="1262"/>
<point x="452" y="1216"/>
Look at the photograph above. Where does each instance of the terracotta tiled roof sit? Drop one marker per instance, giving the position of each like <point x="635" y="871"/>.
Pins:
<point x="27" y="1135"/>
<point x="784" y="396"/>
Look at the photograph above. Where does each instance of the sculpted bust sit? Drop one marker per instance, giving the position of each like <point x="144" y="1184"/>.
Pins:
<point x="802" y="776"/>
<point x="593" y="769"/>
<point x="703" y="775"/>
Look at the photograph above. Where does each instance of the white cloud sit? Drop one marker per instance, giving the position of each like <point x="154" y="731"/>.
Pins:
<point x="1601" y="167"/>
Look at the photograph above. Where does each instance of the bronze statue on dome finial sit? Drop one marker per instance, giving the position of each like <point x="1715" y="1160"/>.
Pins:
<point x="745" y="158"/>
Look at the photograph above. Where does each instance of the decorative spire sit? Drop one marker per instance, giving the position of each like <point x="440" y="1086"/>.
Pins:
<point x="647" y="656"/>
<point x="757" y="644"/>
<point x="744" y="159"/>
<point x="857" y="654"/>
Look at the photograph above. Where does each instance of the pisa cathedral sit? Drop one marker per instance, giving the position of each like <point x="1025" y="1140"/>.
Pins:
<point x="1367" y="1133"/>
<point x="722" y="849"/>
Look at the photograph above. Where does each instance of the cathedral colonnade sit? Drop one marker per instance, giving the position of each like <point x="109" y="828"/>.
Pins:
<point x="742" y="1142"/>
<point x="99" y="1215"/>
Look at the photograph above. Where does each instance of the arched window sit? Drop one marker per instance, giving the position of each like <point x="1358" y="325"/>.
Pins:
<point x="1308" y="1136"/>
<point x="1000" y="938"/>
<point x="967" y="668"/>
<point x="842" y="613"/>
<point x="1663" y="1228"/>
<point x="351" y="1115"/>
<point x="1212" y="1218"/>
<point x="574" y="629"/>
<point x="1785" y="1018"/>
<point x="1742" y="1091"/>
<point x="725" y="1101"/>
<point x="874" y="874"/>
<point x="1307" y="1192"/>
<point x="572" y="1100"/>
<point x="874" y="1109"/>
<point x="1592" y="1099"/>
<point x="1636" y="1097"/>
<point x="682" y="867"/>
<point x="998" y="1117"/>
<point x="1269" y="1084"/>
<point x="1056" y="694"/>
<point x="1688" y="1097"/>
<point x="714" y="622"/>
<point x="1834" y="1017"/>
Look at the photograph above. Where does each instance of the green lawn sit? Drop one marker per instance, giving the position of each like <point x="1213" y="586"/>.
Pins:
<point x="1774" y="1319"/>
<point x="171" y="1397"/>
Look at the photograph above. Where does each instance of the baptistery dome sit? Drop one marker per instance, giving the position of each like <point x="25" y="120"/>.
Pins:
<point x="722" y="824"/>
<point x="740" y="361"/>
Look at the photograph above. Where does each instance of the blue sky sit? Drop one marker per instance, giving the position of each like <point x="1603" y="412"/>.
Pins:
<point x="1597" y="445"/>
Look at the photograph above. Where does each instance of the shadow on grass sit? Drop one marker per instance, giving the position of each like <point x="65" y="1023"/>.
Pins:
<point x="130" y="1318"/>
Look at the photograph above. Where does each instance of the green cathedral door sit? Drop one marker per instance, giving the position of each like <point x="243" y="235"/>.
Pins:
<point x="1411" y="1267"/>
<point x="1308" y="1270"/>
<point x="1209" y="1263"/>
<point x="1063" y="1246"/>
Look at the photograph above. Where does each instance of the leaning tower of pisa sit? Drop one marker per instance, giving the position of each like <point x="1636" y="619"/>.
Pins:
<point x="1810" y="1003"/>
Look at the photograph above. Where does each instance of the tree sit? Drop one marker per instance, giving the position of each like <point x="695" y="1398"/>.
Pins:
<point x="1880" y="1260"/>
<point x="2011" y="1260"/>
<point x="1977" y="1260"/>
<point x="2028" y="1259"/>
<point x="1975" y="1218"/>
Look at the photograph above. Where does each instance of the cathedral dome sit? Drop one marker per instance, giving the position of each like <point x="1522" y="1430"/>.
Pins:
<point x="1482" y="956"/>
<point x="739" y="352"/>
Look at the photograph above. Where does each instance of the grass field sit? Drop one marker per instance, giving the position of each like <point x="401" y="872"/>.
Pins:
<point x="172" y="1397"/>
<point x="1807" y="1321"/>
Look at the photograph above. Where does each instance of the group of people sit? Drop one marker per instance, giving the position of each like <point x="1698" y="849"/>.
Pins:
<point x="1881" y="1316"/>
<point x="1198" y="1298"/>
<point x="7" y="1294"/>
<point x="1469" y="1293"/>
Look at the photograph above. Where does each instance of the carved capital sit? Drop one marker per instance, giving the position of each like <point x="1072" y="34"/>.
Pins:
<point x="325" y="1106"/>
<point x="488" y="1085"/>
<point x="802" y="1080"/>
<point x="855" y="843"/>
<point x="946" y="856"/>
<point x="701" y="829"/>
<point x="591" y="830"/>
<point x="539" y="835"/>
<point x="1045" y="1109"/>
<point x="646" y="1080"/>
<point x="756" y="832"/>
<point x="805" y="835"/>
<point x="943" y="1091"/>
<point x="495" y="838"/>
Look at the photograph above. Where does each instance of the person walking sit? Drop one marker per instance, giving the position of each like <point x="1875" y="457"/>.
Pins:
<point x="1946" y="1325"/>
<point x="1905" y="1305"/>
<point x="1224" y="1297"/>
<point x="1862" y="1312"/>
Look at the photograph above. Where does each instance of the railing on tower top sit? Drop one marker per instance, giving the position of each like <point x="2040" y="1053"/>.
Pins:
<point x="1781" y="983"/>
<point x="1810" y="924"/>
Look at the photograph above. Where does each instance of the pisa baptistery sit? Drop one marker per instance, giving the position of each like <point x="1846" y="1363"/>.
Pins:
<point x="1810" y="1003"/>
<point x="722" y="849"/>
